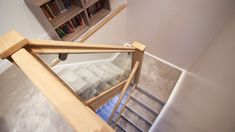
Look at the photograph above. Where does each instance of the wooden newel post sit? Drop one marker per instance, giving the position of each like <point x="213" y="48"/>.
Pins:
<point x="138" y="55"/>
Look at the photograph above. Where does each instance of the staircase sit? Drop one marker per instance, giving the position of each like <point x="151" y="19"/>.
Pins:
<point x="89" y="80"/>
<point x="139" y="114"/>
<point x="79" y="88"/>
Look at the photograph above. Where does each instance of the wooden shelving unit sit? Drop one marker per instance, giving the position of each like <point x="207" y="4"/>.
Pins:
<point x="69" y="20"/>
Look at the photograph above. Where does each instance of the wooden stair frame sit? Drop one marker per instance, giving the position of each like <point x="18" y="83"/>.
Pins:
<point x="72" y="108"/>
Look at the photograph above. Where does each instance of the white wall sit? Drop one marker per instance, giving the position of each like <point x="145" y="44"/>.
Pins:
<point x="177" y="31"/>
<point x="16" y="15"/>
<point x="204" y="102"/>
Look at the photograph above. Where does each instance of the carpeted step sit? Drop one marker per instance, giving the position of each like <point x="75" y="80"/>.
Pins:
<point x="146" y="101"/>
<point x="136" y="120"/>
<point x="127" y="126"/>
<point x="141" y="111"/>
<point x="75" y="82"/>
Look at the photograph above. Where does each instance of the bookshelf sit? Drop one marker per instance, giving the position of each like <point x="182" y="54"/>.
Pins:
<point x="66" y="20"/>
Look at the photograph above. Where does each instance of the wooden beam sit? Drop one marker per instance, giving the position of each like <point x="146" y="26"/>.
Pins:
<point x="80" y="117"/>
<point x="105" y="96"/>
<point x="75" y="50"/>
<point x="124" y="105"/>
<point x="64" y="44"/>
<point x="10" y="43"/>
<point x="131" y="76"/>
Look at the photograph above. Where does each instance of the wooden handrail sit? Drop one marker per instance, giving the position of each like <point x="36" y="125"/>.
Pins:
<point x="131" y="76"/>
<point x="103" y="93"/>
<point x="75" y="50"/>
<point x="22" y="52"/>
<point x="73" y="111"/>
<point x="101" y="99"/>
<point x="75" y="45"/>
<point x="124" y="105"/>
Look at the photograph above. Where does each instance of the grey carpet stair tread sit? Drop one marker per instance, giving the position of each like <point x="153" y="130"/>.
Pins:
<point x="99" y="72"/>
<point x="141" y="111"/>
<point x="119" y="129"/>
<point x="127" y="126"/>
<point x="146" y="101"/>
<point x="115" y="68"/>
<point x="87" y="75"/>
<point x="123" y="61"/>
<point x="113" y="75"/>
<point x="149" y="93"/>
<point x="103" y="86"/>
<point x="75" y="82"/>
<point x="136" y="120"/>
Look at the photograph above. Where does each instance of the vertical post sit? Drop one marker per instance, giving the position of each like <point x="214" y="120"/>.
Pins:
<point x="138" y="56"/>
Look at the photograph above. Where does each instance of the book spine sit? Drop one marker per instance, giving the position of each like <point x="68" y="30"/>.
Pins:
<point x="71" y="24"/>
<point x="62" y="5"/>
<point x="54" y="8"/>
<point x="58" y="6"/>
<point x="74" y="22"/>
<point x="48" y="8"/>
<point x="49" y="17"/>
<point x="67" y="3"/>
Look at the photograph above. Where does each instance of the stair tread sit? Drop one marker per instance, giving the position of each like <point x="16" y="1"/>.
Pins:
<point x="103" y="115"/>
<point x="136" y="120"/>
<point x="141" y="111"/>
<point x="98" y="72"/>
<point x="145" y="91"/>
<point x="115" y="68"/>
<point x="87" y="75"/>
<point x="112" y="74"/>
<point x="75" y="82"/>
<point x="123" y="61"/>
<point x="146" y="101"/>
<point x="127" y="126"/>
<point x="119" y="129"/>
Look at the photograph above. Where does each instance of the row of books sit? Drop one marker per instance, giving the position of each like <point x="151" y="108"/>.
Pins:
<point x="95" y="8"/>
<point x="86" y="1"/>
<point x="69" y="27"/>
<point x="55" y="8"/>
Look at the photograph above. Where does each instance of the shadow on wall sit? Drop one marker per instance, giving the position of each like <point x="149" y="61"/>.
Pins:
<point x="3" y="125"/>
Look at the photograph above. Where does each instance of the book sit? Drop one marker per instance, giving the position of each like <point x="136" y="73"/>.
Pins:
<point x="49" y="17"/>
<point x="58" y="5"/>
<point x="67" y="3"/>
<point x="61" y="35"/>
<point x="54" y="7"/>
<point x="71" y="24"/>
<point x="69" y="28"/>
<point x="62" y="5"/>
<point x="48" y="8"/>
<point x="74" y="22"/>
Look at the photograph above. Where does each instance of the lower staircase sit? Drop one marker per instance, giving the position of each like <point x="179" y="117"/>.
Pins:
<point x="139" y="113"/>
